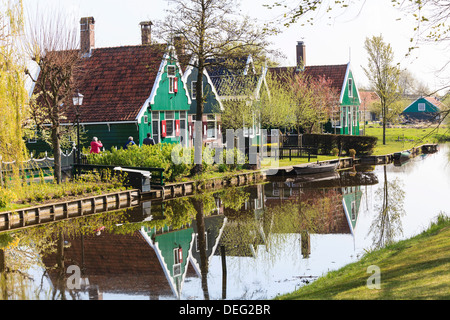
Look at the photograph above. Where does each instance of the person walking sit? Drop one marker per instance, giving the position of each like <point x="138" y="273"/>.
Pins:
<point x="130" y="142"/>
<point x="95" y="145"/>
<point x="149" y="140"/>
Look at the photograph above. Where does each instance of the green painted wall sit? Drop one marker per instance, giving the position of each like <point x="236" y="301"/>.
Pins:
<point x="211" y="104"/>
<point x="429" y="107"/>
<point x="352" y="195"/>
<point x="352" y="103"/>
<point x="116" y="135"/>
<point x="165" y="101"/>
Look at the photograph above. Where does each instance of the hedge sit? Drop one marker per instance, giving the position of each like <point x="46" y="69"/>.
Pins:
<point x="325" y="143"/>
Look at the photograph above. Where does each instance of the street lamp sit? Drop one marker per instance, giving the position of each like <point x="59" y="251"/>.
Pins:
<point x="77" y="102"/>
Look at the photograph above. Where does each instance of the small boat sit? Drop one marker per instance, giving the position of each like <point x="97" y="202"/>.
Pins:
<point x="313" y="168"/>
<point x="402" y="156"/>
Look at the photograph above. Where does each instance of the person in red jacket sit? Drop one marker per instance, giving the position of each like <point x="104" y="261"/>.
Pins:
<point x="96" y="145"/>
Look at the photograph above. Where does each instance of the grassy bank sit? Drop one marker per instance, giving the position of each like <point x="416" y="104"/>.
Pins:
<point x="417" y="268"/>
<point x="403" y="138"/>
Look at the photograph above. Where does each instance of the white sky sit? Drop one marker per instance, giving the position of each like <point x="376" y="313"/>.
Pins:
<point x="328" y="41"/>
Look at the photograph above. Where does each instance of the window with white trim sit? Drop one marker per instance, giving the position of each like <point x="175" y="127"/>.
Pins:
<point x="421" y="106"/>
<point x="170" y="123"/>
<point x="197" y="248"/>
<point x="194" y="90"/>
<point x="211" y="126"/>
<point x="33" y="138"/>
<point x="171" y="73"/>
<point x="350" y="88"/>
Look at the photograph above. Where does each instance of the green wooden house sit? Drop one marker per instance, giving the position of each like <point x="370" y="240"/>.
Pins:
<point x="130" y="91"/>
<point x="423" y="109"/>
<point x="237" y="82"/>
<point x="346" y="116"/>
<point x="345" y="120"/>
<point x="173" y="249"/>
<point x="211" y="125"/>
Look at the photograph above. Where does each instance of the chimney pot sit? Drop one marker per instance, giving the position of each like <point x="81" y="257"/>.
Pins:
<point x="301" y="54"/>
<point x="146" y="32"/>
<point x="87" y="35"/>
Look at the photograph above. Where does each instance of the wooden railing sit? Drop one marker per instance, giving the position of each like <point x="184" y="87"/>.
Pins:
<point x="295" y="152"/>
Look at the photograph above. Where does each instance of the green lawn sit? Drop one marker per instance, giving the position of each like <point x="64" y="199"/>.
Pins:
<point x="403" y="138"/>
<point x="417" y="268"/>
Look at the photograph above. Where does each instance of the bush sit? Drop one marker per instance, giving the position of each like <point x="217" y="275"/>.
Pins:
<point x="335" y="151"/>
<point x="325" y="143"/>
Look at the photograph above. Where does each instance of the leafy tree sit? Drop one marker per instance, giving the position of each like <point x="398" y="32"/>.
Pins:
<point x="13" y="96"/>
<point x="298" y="101"/>
<point x="383" y="75"/>
<point x="211" y="31"/>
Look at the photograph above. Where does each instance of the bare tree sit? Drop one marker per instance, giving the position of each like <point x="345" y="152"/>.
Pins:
<point x="211" y="31"/>
<point x="53" y="45"/>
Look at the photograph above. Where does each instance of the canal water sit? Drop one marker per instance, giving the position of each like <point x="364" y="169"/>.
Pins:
<point x="240" y="243"/>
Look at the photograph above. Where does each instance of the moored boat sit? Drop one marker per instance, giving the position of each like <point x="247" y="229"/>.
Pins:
<point x="402" y="156"/>
<point x="314" y="168"/>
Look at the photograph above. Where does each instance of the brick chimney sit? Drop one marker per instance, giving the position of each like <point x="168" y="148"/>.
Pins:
<point x="87" y="35"/>
<point x="180" y="44"/>
<point x="146" y="32"/>
<point x="301" y="54"/>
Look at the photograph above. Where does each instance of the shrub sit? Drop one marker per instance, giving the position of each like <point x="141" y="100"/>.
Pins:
<point x="335" y="151"/>
<point x="325" y="143"/>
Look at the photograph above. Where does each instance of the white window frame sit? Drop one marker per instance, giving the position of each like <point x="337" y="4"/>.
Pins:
<point x="350" y="88"/>
<point x="197" y="249"/>
<point x="194" y="90"/>
<point x="171" y="76"/>
<point x="172" y="119"/>
<point x="208" y="120"/>
<point x="421" y="107"/>
<point x="34" y="138"/>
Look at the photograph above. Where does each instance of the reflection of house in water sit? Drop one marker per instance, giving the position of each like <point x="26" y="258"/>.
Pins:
<point x="244" y="229"/>
<point x="214" y="226"/>
<point x="151" y="262"/>
<point x="351" y="201"/>
<point x="341" y="192"/>
<point x="115" y="264"/>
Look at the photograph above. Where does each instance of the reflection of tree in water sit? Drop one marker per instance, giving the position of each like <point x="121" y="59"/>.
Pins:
<point x="387" y="224"/>
<point x="204" y="204"/>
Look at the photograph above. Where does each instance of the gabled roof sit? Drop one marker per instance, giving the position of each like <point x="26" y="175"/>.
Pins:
<point x="369" y="97"/>
<point x="335" y="73"/>
<point x="236" y="78"/>
<point x="432" y="105"/>
<point x="116" y="263"/>
<point x="117" y="81"/>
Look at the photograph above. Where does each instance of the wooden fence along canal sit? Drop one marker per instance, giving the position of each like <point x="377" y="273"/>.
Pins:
<point x="47" y="213"/>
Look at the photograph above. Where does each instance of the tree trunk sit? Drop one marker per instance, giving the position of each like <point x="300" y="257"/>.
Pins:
<point x="201" y="240"/>
<point x="56" y="154"/>
<point x="198" y="145"/>
<point x="384" y="124"/>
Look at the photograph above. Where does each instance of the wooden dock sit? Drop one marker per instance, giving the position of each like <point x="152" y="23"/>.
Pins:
<point x="344" y="163"/>
<point x="47" y="213"/>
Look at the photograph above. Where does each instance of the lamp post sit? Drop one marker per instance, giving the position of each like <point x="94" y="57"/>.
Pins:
<point x="77" y="102"/>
